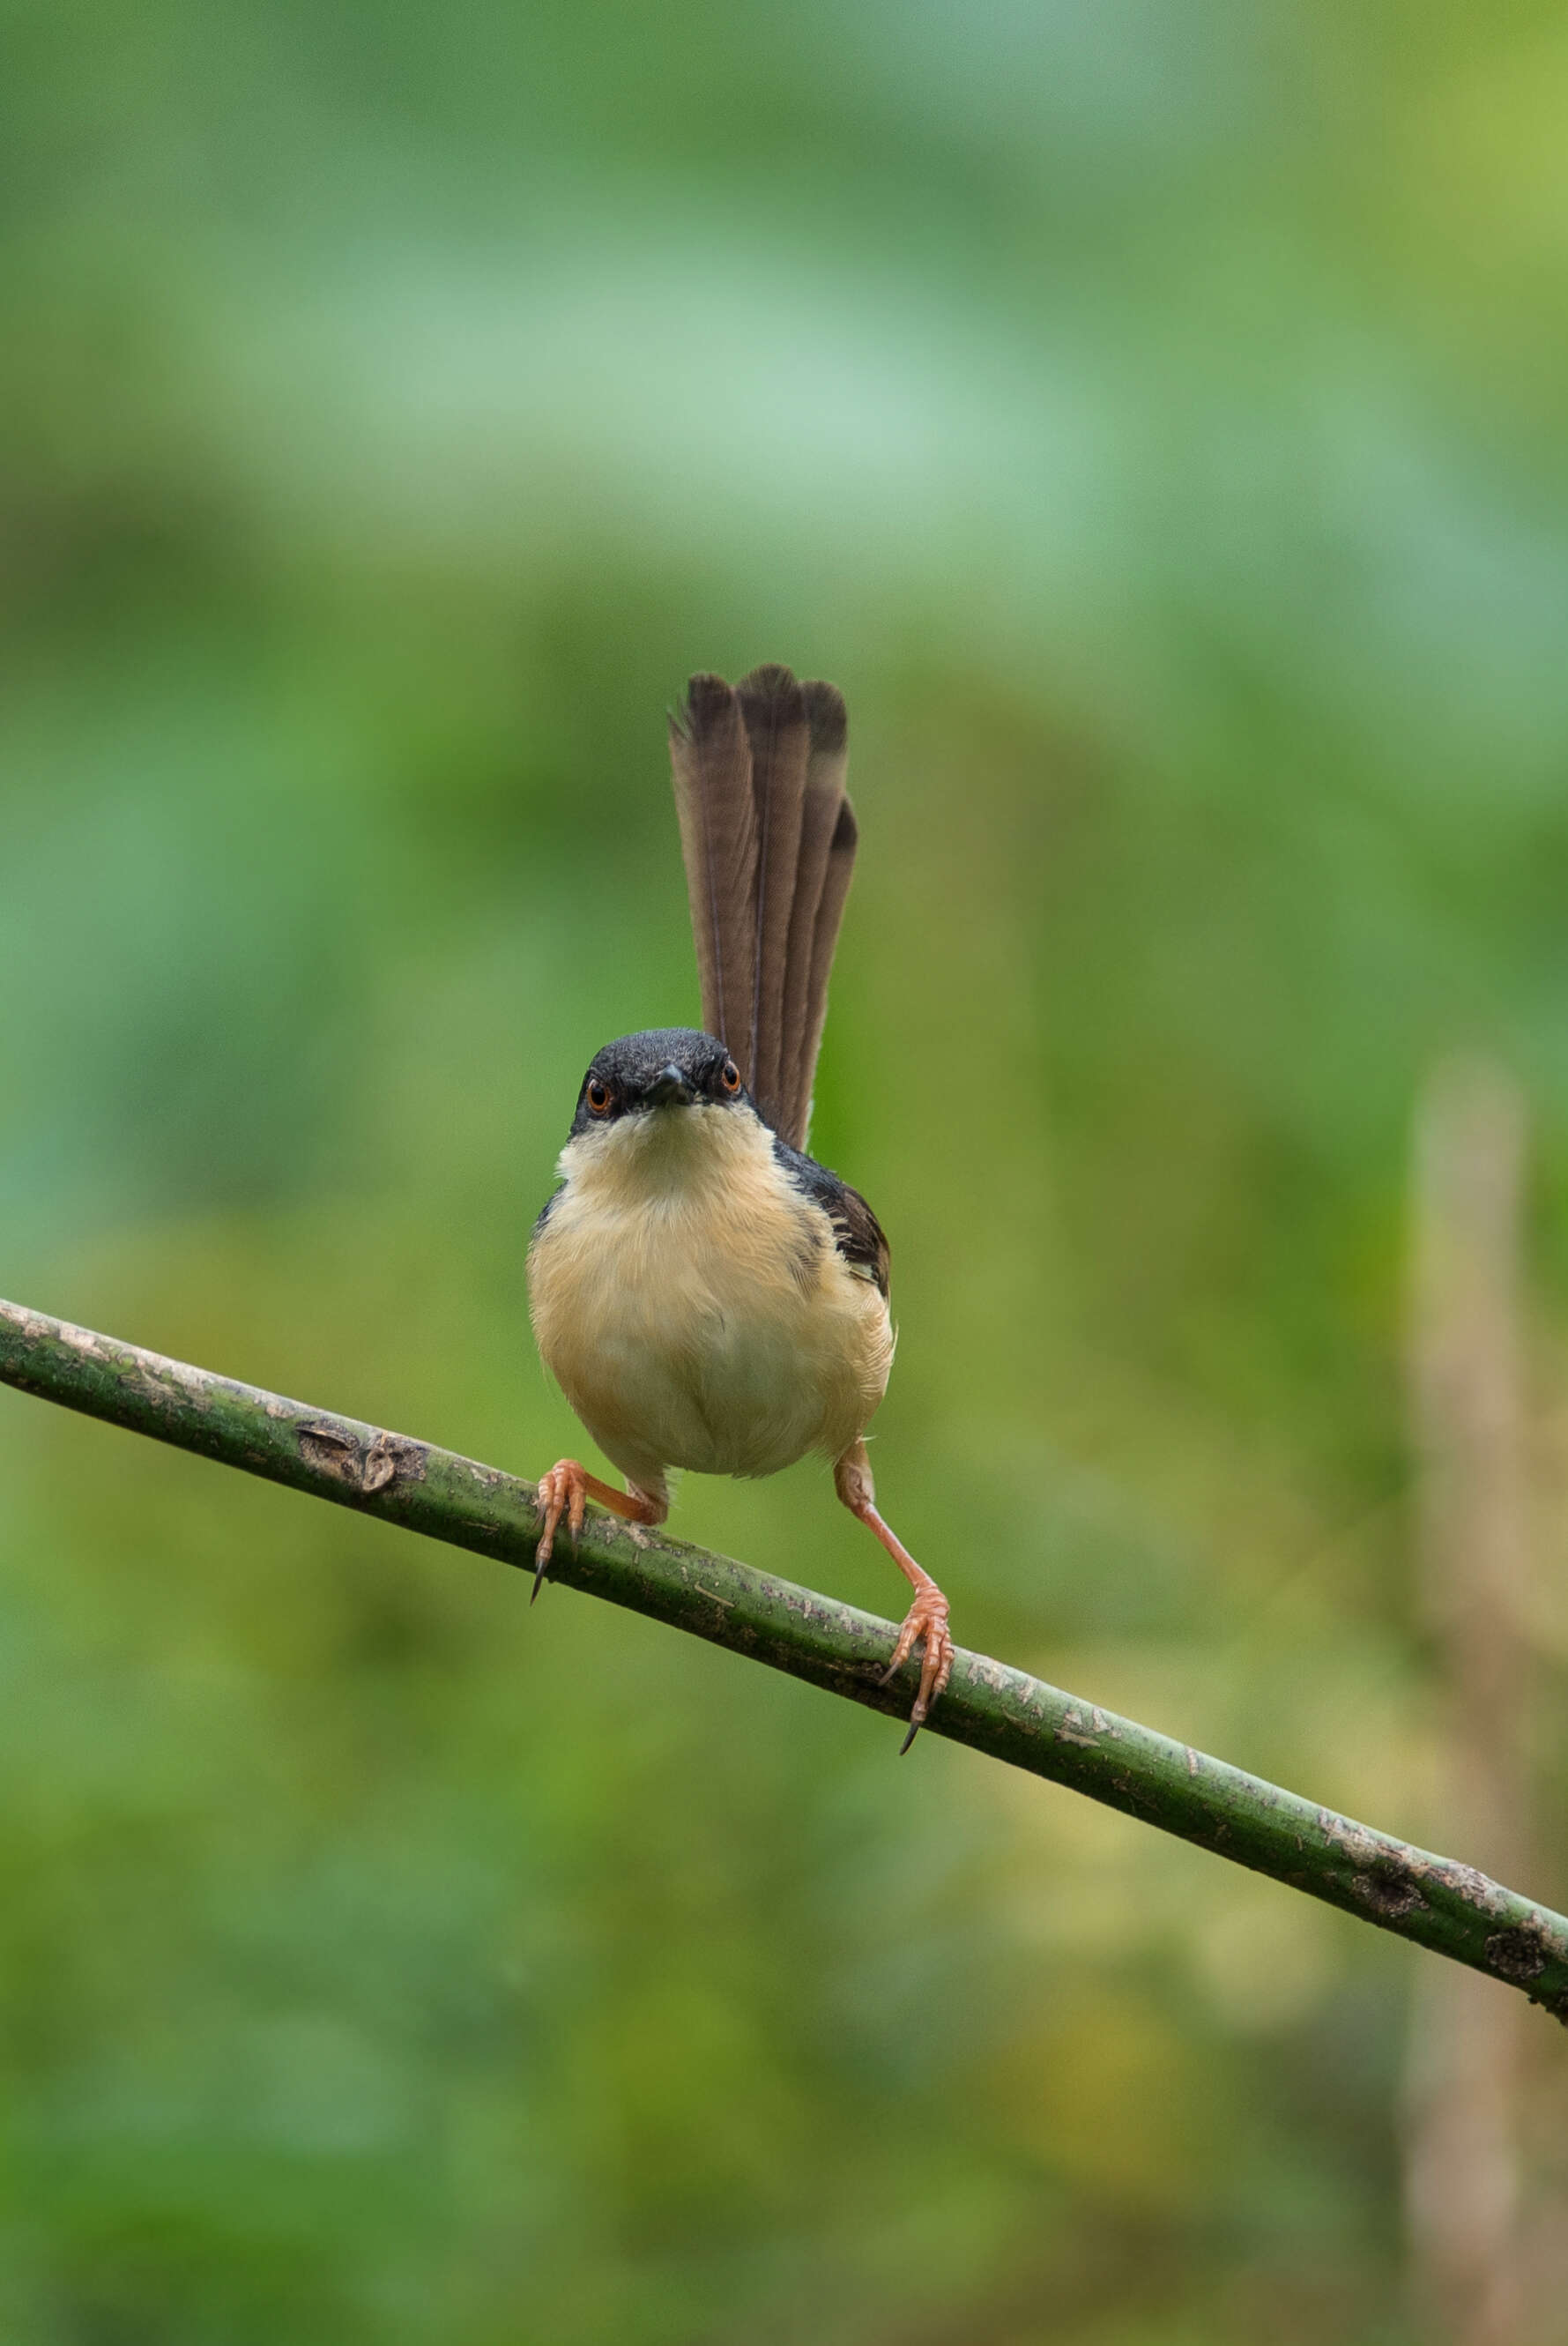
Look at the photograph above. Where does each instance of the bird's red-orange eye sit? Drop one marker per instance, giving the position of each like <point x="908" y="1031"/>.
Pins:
<point x="730" y="1076"/>
<point x="598" y="1097"/>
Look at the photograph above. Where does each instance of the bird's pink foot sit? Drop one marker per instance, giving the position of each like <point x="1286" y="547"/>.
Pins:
<point x="566" y="1489"/>
<point x="924" y="1625"/>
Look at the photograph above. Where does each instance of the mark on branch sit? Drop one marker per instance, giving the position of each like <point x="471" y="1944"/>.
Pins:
<point x="80" y="1340"/>
<point x="1387" y="1859"/>
<point x="389" y="1458"/>
<point x="1385" y="1896"/>
<point x="1517" y="1954"/>
<point x="1358" y="1840"/>
<point x="153" y="1381"/>
<point x="1475" y="1888"/>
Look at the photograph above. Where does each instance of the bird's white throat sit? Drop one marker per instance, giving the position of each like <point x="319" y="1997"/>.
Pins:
<point x="664" y="1151"/>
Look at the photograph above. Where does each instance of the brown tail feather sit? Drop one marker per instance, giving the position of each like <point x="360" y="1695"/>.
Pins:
<point x="768" y="839"/>
<point x="711" y="764"/>
<point x="825" y="937"/>
<point x="824" y="801"/>
<point x="774" y="708"/>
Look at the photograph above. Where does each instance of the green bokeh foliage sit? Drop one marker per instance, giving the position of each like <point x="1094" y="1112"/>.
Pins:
<point x="1153" y="419"/>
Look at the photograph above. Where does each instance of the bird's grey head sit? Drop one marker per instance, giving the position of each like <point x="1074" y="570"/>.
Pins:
<point x="668" y="1067"/>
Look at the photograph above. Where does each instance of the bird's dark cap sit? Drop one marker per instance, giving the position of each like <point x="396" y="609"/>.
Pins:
<point x="667" y="1066"/>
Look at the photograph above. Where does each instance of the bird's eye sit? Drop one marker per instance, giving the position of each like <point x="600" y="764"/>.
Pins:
<point x="598" y="1097"/>
<point x="730" y="1076"/>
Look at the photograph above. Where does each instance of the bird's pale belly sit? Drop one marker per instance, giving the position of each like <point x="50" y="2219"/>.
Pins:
<point x="722" y="1387"/>
<point x="721" y="1333"/>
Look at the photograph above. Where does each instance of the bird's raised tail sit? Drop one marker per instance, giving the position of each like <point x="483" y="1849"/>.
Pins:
<point x="769" y="838"/>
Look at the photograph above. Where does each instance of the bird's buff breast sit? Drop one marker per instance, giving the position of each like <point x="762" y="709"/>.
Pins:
<point x="693" y="1306"/>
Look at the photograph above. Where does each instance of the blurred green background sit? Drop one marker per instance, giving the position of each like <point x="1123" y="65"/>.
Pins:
<point x="1153" y="417"/>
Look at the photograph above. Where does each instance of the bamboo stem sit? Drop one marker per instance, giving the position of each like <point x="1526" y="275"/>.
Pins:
<point x="1433" y="1900"/>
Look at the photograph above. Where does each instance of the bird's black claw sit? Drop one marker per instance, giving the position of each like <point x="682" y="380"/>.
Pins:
<point x="539" y="1571"/>
<point x="915" y="1725"/>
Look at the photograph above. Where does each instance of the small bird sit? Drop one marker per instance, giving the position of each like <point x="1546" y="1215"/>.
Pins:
<point x="706" y="1295"/>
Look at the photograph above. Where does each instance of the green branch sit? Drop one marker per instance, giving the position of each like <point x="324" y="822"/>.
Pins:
<point x="1439" y="1905"/>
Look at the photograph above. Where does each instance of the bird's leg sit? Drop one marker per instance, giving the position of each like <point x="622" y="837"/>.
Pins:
<point x="566" y="1489"/>
<point x="925" y="1623"/>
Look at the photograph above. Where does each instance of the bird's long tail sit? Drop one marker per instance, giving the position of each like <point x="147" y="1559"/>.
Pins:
<point x="769" y="838"/>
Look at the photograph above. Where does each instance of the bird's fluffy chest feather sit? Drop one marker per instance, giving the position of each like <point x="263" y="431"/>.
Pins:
<point x="691" y="1300"/>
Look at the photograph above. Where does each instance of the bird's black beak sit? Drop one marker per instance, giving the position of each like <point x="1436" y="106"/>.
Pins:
<point x="670" y="1089"/>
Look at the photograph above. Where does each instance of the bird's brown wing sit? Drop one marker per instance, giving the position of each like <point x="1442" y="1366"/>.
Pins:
<point x="768" y="839"/>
